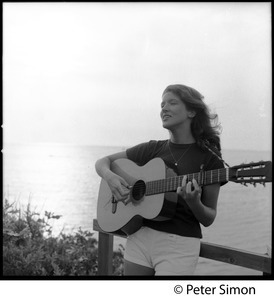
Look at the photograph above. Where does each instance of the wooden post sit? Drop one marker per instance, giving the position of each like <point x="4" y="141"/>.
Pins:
<point x="105" y="254"/>
<point x="268" y="253"/>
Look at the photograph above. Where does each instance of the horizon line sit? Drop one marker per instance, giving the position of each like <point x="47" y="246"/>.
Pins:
<point x="111" y="145"/>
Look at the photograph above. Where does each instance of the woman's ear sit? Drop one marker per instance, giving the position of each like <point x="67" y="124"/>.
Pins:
<point x="191" y="114"/>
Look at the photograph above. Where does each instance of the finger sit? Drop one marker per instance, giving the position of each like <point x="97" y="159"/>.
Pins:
<point x="182" y="192"/>
<point x="125" y="184"/>
<point x="117" y="196"/>
<point x="127" y="200"/>
<point x="123" y="191"/>
<point x="124" y="199"/>
<point x="184" y="181"/>
<point x="120" y="193"/>
<point x="179" y="190"/>
<point x="121" y="198"/>
<point x="189" y="187"/>
<point x="196" y="186"/>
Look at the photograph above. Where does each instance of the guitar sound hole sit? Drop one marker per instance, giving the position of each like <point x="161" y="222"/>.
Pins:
<point x="138" y="190"/>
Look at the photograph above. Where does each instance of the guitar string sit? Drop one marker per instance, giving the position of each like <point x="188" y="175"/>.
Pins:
<point x="168" y="183"/>
<point x="171" y="183"/>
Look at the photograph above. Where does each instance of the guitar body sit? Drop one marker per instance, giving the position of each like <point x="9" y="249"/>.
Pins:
<point x="113" y="217"/>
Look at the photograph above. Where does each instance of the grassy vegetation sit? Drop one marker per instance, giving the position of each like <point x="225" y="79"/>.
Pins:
<point x="30" y="249"/>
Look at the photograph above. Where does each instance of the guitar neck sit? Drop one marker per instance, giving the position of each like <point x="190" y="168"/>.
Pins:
<point x="172" y="183"/>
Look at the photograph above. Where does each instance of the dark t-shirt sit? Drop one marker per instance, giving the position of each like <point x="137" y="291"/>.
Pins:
<point x="184" y="222"/>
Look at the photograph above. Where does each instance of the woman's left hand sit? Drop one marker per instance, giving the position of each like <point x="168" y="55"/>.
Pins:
<point x="190" y="192"/>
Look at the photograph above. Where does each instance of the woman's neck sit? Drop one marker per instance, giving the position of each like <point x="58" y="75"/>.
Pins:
<point x="181" y="137"/>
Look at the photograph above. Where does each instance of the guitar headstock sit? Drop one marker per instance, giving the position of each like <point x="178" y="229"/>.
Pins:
<point x="252" y="173"/>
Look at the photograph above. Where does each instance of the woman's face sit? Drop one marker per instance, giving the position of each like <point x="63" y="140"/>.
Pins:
<point x="174" y="112"/>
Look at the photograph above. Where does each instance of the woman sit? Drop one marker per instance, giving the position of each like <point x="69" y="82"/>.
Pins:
<point x="172" y="247"/>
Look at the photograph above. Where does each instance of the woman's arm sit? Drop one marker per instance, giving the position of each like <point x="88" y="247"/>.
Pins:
<point x="203" y="205"/>
<point x="118" y="186"/>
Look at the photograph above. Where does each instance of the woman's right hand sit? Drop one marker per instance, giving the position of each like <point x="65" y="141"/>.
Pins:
<point x="119" y="187"/>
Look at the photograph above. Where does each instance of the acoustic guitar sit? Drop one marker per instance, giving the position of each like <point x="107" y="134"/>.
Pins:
<point x="153" y="195"/>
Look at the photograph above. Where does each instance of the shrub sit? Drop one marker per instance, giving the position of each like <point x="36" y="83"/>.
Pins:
<point x="30" y="249"/>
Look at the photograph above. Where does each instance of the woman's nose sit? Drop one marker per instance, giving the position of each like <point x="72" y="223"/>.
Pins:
<point x="165" y="108"/>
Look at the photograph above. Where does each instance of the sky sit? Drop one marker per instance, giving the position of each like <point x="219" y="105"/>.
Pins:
<point x="94" y="73"/>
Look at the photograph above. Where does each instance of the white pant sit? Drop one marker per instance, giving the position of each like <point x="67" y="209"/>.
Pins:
<point x="166" y="253"/>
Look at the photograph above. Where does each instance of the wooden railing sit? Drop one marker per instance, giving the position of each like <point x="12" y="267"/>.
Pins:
<point x="250" y="260"/>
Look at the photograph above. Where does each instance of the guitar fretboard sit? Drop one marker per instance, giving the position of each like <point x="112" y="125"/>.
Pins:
<point x="172" y="183"/>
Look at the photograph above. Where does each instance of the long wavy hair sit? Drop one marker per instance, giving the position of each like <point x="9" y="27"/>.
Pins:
<point x="205" y="127"/>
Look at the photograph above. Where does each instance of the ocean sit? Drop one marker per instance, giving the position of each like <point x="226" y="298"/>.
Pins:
<point x="61" y="179"/>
